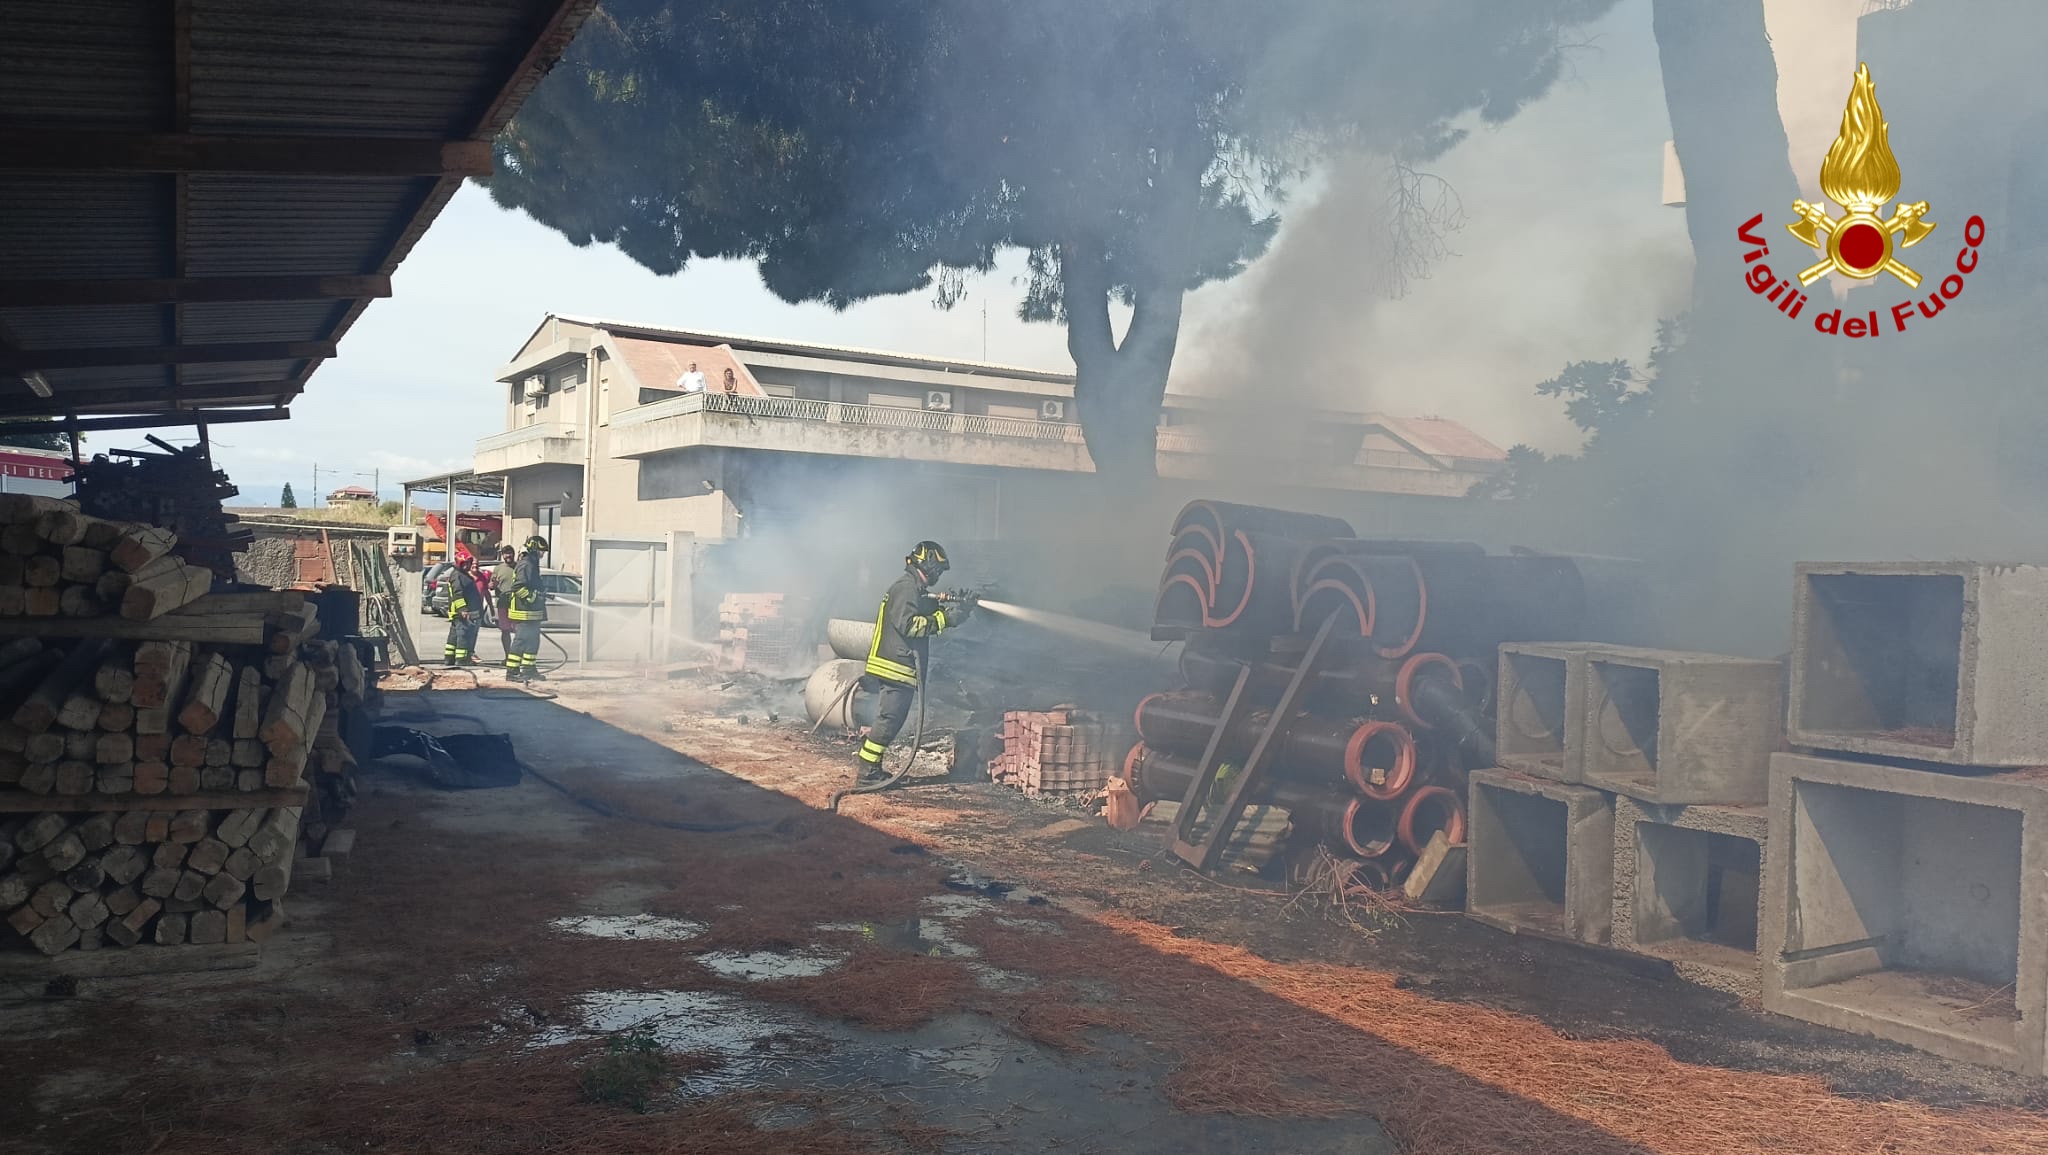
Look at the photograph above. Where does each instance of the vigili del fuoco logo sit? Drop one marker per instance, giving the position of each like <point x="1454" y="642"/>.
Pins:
<point x="1861" y="175"/>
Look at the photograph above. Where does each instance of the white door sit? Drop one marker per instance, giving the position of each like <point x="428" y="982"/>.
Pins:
<point x="625" y="600"/>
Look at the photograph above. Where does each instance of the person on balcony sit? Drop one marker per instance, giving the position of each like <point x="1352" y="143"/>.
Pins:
<point x="692" y="381"/>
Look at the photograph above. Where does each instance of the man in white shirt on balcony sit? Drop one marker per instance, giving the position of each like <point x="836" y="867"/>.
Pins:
<point x="691" y="381"/>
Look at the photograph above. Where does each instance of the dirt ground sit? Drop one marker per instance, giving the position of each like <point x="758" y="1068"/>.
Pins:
<point x="949" y="967"/>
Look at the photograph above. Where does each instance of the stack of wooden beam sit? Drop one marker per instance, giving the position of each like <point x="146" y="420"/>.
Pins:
<point x="88" y="880"/>
<point x="112" y="717"/>
<point x="157" y="748"/>
<point x="58" y="562"/>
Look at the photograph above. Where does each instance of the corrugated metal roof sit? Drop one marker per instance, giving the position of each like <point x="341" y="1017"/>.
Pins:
<point x="270" y="224"/>
<point x="370" y="68"/>
<point x="96" y="64"/>
<point x="58" y="226"/>
<point x="447" y="71"/>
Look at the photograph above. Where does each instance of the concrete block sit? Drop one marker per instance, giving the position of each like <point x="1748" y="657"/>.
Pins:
<point x="1539" y="857"/>
<point x="1935" y="662"/>
<point x="1540" y="722"/>
<point x="1911" y="905"/>
<point x="1669" y="726"/>
<point x="1688" y="888"/>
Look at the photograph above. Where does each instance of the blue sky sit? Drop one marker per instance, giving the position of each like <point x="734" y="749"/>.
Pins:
<point x="1566" y="254"/>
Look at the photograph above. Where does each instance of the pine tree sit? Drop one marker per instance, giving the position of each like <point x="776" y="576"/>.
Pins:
<point x="288" y="501"/>
<point x="1134" y="150"/>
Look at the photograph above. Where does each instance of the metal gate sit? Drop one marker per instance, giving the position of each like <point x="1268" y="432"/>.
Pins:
<point x="625" y="599"/>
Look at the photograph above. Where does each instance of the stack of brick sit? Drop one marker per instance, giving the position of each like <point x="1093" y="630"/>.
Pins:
<point x="1064" y="751"/>
<point x="761" y="633"/>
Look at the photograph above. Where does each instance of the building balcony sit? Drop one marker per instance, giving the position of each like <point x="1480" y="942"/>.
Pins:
<point x="834" y="428"/>
<point x="527" y="446"/>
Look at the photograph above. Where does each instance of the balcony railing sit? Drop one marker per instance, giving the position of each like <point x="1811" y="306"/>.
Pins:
<point x="846" y="413"/>
<point x="522" y="435"/>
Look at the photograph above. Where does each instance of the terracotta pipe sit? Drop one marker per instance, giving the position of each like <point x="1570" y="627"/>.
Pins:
<point x="1427" y="811"/>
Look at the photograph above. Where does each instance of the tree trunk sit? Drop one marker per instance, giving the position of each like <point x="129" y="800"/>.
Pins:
<point x="1118" y="389"/>
<point x="1721" y="89"/>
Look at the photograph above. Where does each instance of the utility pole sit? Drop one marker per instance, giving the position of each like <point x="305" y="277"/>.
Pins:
<point x="315" y="495"/>
<point x="376" y="477"/>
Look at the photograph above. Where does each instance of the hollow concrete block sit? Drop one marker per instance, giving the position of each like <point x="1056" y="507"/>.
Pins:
<point x="1911" y="905"/>
<point x="1539" y="856"/>
<point x="1688" y="888"/>
<point x="1676" y="727"/>
<point x="1540" y="719"/>
<point x="1934" y="662"/>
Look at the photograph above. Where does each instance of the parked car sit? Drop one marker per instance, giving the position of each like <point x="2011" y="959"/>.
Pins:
<point x="565" y="600"/>
<point x="433" y="593"/>
<point x="564" y="590"/>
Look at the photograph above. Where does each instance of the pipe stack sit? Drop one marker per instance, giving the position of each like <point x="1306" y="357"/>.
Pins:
<point x="1398" y="707"/>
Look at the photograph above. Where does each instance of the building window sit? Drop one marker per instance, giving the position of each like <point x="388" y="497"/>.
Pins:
<point x="1013" y="412"/>
<point x="547" y="521"/>
<point x="896" y="400"/>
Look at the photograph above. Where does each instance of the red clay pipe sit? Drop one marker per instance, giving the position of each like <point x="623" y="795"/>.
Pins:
<point x="1380" y="761"/>
<point x="1427" y="811"/>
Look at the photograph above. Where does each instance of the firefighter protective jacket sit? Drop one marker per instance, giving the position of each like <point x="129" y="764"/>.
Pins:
<point x="529" y="601"/>
<point x="910" y="615"/>
<point x="463" y="595"/>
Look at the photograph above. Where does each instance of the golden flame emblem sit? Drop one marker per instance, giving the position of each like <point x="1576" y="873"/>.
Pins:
<point x="1861" y="174"/>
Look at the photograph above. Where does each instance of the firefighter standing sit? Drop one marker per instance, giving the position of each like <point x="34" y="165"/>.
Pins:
<point x="529" y="608"/>
<point x="465" y="613"/>
<point x="900" y="647"/>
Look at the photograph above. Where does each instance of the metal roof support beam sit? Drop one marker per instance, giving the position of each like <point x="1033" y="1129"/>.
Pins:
<point x="145" y="420"/>
<point x="22" y="360"/>
<point x="86" y="400"/>
<point x="30" y="294"/>
<point x="32" y="150"/>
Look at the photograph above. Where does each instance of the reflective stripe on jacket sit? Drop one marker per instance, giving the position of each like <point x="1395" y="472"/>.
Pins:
<point x="529" y="602"/>
<point x="903" y="628"/>
<point x="462" y="593"/>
